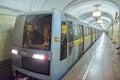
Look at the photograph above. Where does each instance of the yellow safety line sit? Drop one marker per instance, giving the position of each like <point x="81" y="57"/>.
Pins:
<point x="80" y="41"/>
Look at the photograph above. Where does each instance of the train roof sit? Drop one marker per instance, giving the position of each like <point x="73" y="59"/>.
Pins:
<point x="69" y="17"/>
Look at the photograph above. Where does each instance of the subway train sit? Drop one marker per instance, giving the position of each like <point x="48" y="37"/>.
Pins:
<point x="47" y="44"/>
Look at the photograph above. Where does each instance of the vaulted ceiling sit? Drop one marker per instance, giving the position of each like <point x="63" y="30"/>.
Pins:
<point x="82" y="9"/>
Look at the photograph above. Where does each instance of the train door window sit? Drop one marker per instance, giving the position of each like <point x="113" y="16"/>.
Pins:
<point x="63" y="51"/>
<point x="70" y="32"/>
<point x="70" y="36"/>
<point x="89" y="31"/>
<point x="75" y="27"/>
<point x="86" y="31"/>
<point x="79" y="31"/>
<point x="37" y="32"/>
<point x="93" y="31"/>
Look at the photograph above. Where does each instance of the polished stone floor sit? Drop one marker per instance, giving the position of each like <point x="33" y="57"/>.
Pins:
<point x="104" y="64"/>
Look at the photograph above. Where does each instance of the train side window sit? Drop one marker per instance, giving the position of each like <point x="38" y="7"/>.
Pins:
<point x="63" y="51"/>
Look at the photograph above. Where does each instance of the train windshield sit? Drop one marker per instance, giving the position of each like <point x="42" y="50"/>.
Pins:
<point x="37" y="32"/>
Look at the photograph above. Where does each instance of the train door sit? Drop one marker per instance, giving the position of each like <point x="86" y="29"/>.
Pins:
<point x="87" y="38"/>
<point x="76" y="41"/>
<point x="80" y="40"/>
<point x="70" y="43"/>
<point x="90" y="37"/>
<point x="58" y="46"/>
<point x="63" y="48"/>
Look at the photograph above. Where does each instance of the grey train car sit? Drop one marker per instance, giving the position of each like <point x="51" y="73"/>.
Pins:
<point x="46" y="44"/>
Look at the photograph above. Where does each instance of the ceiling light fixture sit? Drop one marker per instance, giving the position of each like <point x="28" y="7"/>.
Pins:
<point x="96" y="13"/>
<point x="99" y="21"/>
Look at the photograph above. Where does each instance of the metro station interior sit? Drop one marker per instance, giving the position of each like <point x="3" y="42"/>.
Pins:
<point x="72" y="24"/>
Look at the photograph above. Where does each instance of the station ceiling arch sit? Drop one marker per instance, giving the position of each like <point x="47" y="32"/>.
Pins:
<point x="83" y="9"/>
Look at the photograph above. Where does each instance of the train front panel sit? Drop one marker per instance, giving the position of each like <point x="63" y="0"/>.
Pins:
<point x="32" y="46"/>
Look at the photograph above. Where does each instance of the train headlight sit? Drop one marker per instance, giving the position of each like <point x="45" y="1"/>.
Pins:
<point x="38" y="56"/>
<point x="14" y="51"/>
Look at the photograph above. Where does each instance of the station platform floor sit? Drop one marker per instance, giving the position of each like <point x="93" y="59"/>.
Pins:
<point x="103" y="65"/>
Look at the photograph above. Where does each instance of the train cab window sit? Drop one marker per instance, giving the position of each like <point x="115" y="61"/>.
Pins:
<point x="63" y="51"/>
<point x="37" y="32"/>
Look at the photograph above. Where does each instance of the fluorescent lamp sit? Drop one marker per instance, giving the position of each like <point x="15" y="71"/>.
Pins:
<point x="96" y="13"/>
<point x="99" y="21"/>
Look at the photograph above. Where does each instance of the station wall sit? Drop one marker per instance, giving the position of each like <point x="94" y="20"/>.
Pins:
<point x="6" y="27"/>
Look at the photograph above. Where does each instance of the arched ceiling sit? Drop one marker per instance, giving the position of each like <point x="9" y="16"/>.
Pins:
<point x="85" y="8"/>
<point x="82" y="9"/>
